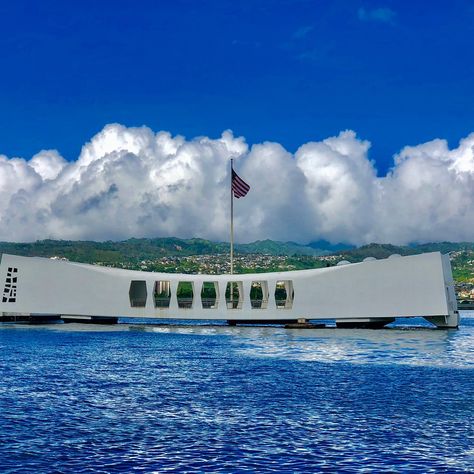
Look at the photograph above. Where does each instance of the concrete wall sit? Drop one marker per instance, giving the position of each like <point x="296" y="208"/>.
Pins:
<point x="419" y="285"/>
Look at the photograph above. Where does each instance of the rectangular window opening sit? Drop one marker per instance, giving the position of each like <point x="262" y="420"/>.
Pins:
<point x="234" y="295"/>
<point x="210" y="295"/>
<point x="185" y="294"/>
<point x="137" y="293"/>
<point x="259" y="295"/>
<point x="162" y="294"/>
<point x="284" y="294"/>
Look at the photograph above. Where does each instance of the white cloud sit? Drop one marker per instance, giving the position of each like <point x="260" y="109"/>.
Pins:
<point x="340" y="185"/>
<point x="48" y="164"/>
<point x="132" y="182"/>
<point x="381" y="14"/>
<point x="302" y="32"/>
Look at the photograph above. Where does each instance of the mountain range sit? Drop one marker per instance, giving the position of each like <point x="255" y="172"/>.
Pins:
<point x="133" y="250"/>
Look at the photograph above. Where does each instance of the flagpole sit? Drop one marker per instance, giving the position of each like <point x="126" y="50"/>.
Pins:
<point x="231" y="220"/>
<point x="231" y="234"/>
<point x="240" y="188"/>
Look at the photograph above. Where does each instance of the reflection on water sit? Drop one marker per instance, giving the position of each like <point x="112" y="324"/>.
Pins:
<point x="401" y="343"/>
<point x="423" y="347"/>
<point x="211" y="398"/>
<point x="409" y="342"/>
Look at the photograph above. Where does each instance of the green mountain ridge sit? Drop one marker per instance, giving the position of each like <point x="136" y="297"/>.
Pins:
<point x="172" y="254"/>
<point x="137" y="249"/>
<point x="385" y="250"/>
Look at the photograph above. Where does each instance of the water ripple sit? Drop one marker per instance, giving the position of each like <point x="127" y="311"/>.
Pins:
<point x="164" y="398"/>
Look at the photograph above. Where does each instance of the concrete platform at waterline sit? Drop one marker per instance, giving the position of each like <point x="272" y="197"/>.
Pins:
<point x="367" y="294"/>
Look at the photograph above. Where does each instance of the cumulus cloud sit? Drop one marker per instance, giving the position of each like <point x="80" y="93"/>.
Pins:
<point x="133" y="182"/>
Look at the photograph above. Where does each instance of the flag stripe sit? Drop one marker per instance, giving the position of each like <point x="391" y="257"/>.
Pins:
<point x="244" y="187"/>
<point x="239" y="187"/>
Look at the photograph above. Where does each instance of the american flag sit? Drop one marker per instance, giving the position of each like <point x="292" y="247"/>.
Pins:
<point x="239" y="187"/>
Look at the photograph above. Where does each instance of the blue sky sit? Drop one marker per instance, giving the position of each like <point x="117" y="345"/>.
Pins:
<point x="397" y="73"/>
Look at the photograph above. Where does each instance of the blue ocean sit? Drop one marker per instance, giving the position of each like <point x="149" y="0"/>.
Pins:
<point x="144" y="398"/>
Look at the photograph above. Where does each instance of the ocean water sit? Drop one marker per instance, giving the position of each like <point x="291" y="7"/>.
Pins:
<point x="179" y="398"/>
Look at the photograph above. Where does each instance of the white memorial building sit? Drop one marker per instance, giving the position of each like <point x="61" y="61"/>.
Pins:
<point x="367" y="294"/>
